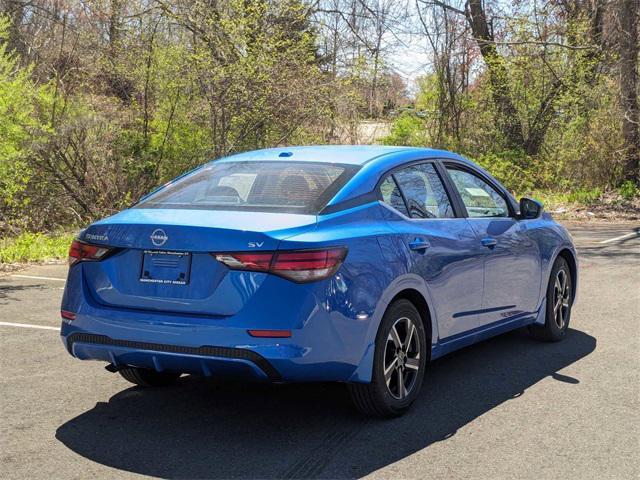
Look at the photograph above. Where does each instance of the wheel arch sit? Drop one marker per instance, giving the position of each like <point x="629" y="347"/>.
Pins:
<point x="409" y="287"/>
<point x="418" y="301"/>
<point x="572" y="261"/>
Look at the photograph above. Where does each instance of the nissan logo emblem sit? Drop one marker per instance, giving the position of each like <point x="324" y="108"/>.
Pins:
<point x="159" y="237"/>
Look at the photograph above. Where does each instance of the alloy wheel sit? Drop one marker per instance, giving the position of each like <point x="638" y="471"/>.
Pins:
<point x="561" y="294"/>
<point x="402" y="358"/>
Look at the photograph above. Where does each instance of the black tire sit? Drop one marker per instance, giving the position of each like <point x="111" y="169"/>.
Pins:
<point x="148" y="378"/>
<point x="554" y="329"/>
<point x="378" y="398"/>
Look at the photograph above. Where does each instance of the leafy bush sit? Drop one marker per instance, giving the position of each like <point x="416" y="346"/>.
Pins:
<point x="505" y="167"/>
<point x="35" y="247"/>
<point x="18" y="123"/>
<point x="80" y="143"/>
<point x="408" y="129"/>
<point x="585" y="196"/>
<point x="629" y="190"/>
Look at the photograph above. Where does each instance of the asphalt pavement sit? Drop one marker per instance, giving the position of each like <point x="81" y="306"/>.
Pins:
<point x="509" y="407"/>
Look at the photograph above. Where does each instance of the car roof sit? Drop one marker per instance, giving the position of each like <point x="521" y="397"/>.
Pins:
<point x="345" y="154"/>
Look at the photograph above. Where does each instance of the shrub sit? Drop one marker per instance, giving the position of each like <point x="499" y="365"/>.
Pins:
<point x="35" y="247"/>
<point x="505" y="167"/>
<point x="408" y="129"/>
<point x="585" y="196"/>
<point x="629" y="190"/>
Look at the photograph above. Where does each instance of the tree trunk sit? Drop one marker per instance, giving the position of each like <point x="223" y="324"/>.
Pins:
<point x="628" y="13"/>
<point x="508" y="121"/>
<point x="115" y="27"/>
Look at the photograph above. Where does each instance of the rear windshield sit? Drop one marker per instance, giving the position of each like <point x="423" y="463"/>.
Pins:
<point x="292" y="187"/>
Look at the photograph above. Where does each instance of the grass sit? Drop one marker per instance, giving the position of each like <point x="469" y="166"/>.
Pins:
<point x="35" y="247"/>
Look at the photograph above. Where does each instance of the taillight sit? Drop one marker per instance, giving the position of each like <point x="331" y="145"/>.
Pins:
<point x="297" y="265"/>
<point x="81" y="251"/>
<point x="308" y="266"/>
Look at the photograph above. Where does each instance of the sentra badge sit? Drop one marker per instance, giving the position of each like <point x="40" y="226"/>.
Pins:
<point x="96" y="237"/>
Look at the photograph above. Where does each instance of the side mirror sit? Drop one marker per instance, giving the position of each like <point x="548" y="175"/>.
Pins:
<point x="529" y="208"/>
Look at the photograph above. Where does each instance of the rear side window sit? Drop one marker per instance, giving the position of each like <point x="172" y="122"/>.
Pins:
<point x="391" y="195"/>
<point x="291" y="187"/>
<point x="424" y="192"/>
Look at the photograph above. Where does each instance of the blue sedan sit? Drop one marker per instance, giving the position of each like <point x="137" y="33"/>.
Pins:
<point x="348" y="264"/>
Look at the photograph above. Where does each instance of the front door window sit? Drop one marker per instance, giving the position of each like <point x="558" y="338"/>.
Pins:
<point x="479" y="198"/>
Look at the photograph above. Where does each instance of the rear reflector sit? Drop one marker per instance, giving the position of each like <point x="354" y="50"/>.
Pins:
<point x="270" y="333"/>
<point x="297" y="265"/>
<point x="67" y="315"/>
<point x="81" y="251"/>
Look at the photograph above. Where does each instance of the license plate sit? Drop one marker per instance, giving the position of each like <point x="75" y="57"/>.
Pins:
<point x="164" y="267"/>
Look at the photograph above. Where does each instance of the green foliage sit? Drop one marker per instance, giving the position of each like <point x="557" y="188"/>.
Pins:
<point x="586" y="144"/>
<point x="629" y="190"/>
<point x="585" y="196"/>
<point x="93" y="119"/>
<point x="35" y="247"/>
<point x="158" y="101"/>
<point x="408" y="129"/>
<point x="505" y="166"/>
<point x="570" y="116"/>
<point x="17" y="121"/>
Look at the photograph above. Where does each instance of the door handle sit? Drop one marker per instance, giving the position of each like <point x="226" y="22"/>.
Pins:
<point x="419" y="244"/>
<point x="489" y="242"/>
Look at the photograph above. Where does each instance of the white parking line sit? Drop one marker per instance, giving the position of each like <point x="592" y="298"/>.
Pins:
<point x="39" y="278"/>
<point x="621" y="237"/>
<point x="28" y="325"/>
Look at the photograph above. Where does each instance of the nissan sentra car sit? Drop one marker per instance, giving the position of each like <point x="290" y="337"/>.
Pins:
<point x="354" y="264"/>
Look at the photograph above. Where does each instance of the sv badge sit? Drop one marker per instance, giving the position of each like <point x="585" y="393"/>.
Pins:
<point x="255" y="244"/>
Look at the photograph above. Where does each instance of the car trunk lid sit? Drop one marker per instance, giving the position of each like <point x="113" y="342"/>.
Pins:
<point x="162" y="258"/>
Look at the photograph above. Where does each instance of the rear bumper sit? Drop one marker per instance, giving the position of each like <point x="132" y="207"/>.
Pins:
<point x="333" y="324"/>
<point x="317" y="352"/>
<point x="205" y="360"/>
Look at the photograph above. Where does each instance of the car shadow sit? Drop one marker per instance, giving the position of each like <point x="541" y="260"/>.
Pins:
<point x="208" y="429"/>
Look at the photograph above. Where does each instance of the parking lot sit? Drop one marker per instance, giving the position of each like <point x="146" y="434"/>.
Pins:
<point x="506" y="408"/>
